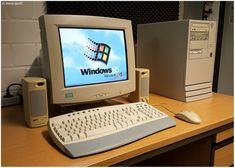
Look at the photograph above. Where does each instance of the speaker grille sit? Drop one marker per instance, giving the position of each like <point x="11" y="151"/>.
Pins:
<point x="144" y="87"/>
<point x="38" y="102"/>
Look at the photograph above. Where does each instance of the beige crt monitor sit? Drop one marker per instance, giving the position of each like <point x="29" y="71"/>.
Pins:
<point x="87" y="58"/>
<point x="180" y="55"/>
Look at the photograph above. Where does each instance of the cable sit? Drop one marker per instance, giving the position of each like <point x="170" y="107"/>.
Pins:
<point x="165" y="107"/>
<point x="8" y="94"/>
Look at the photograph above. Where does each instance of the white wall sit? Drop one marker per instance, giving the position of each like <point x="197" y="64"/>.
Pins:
<point x="21" y="42"/>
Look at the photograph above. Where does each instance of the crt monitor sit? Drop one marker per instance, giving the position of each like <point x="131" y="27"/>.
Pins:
<point x="87" y="58"/>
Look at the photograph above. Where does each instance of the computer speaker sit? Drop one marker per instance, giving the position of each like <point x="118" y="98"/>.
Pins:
<point x="35" y="101"/>
<point x="142" y="86"/>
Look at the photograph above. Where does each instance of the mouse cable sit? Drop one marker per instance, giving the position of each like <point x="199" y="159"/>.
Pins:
<point x="160" y="105"/>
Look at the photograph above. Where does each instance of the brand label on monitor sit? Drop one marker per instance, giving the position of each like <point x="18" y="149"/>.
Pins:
<point x="93" y="56"/>
<point x="68" y="95"/>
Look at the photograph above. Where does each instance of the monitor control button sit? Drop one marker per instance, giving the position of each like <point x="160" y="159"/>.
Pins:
<point x="101" y="95"/>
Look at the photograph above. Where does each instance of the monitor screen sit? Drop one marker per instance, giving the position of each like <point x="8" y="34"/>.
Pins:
<point x="93" y="55"/>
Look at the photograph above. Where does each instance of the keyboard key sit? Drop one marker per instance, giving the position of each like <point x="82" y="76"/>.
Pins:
<point x="66" y="139"/>
<point x="81" y="135"/>
<point x="74" y="137"/>
<point x="100" y="130"/>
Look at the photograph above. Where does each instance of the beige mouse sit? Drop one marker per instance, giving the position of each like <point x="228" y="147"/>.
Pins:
<point x="189" y="116"/>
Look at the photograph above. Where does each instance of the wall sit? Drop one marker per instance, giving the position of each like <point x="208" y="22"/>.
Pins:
<point x="225" y="79"/>
<point x="225" y="84"/>
<point x="215" y="6"/>
<point x="193" y="10"/>
<point x="21" y="43"/>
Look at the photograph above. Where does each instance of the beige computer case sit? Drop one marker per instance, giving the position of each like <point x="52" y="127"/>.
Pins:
<point x="180" y="56"/>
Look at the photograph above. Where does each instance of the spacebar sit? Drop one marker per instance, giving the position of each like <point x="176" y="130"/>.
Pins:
<point x="100" y="130"/>
<point x="118" y="138"/>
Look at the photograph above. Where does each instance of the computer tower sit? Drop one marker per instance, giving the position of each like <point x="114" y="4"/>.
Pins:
<point x="180" y="55"/>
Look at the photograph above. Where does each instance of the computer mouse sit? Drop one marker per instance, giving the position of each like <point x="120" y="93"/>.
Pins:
<point x="189" y="116"/>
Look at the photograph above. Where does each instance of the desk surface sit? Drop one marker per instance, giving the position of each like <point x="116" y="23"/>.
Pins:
<point x="23" y="146"/>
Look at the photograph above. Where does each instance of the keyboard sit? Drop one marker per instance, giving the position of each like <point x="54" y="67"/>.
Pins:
<point x="91" y="131"/>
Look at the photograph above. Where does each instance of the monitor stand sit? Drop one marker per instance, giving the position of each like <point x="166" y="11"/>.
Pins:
<point x="55" y="110"/>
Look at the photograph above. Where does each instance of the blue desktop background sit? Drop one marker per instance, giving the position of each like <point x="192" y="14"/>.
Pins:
<point x="73" y="46"/>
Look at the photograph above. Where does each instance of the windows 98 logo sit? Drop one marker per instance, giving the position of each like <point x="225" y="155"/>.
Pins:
<point x="97" y="51"/>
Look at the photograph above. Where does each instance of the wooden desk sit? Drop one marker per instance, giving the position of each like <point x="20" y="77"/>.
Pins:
<point x="23" y="146"/>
